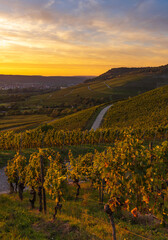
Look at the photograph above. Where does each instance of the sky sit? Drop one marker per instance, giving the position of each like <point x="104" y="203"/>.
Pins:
<point x="81" y="37"/>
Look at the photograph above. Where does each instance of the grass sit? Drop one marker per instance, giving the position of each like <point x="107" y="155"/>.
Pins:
<point x="16" y="222"/>
<point x="76" y="150"/>
<point x="5" y="156"/>
<point x="83" y="219"/>
<point x="22" y="121"/>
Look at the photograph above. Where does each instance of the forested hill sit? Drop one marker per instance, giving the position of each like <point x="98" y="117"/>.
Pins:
<point x="117" y="72"/>
<point x="144" y="111"/>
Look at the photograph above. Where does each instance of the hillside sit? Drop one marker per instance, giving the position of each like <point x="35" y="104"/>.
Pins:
<point x="120" y="84"/>
<point x="144" y="111"/>
<point x="116" y="84"/>
<point x="80" y="120"/>
<point x="117" y="72"/>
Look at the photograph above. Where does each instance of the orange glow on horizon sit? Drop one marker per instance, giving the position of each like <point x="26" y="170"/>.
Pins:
<point x="59" y="69"/>
<point x="52" y="70"/>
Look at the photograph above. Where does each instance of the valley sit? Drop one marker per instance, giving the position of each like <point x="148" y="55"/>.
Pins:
<point x="99" y="139"/>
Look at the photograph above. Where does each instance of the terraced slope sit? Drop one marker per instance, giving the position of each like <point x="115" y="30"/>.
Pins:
<point x="145" y="111"/>
<point x="20" y="122"/>
<point x="112" y="86"/>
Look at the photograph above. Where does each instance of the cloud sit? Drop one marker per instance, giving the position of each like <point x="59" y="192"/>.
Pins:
<point x="84" y="14"/>
<point x="85" y="31"/>
<point x="49" y="4"/>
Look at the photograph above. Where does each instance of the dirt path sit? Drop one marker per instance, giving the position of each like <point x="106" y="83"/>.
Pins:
<point x="69" y="93"/>
<point x="99" y="118"/>
<point x="107" y="85"/>
<point x="4" y="185"/>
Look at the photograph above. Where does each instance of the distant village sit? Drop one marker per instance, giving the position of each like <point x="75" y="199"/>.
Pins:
<point x="38" y="86"/>
<point x="9" y="82"/>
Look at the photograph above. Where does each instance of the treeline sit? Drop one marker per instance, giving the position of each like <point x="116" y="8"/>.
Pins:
<point x="47" y="136"/>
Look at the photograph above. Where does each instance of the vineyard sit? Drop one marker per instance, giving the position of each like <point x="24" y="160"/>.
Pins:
<point x="69" y="182"/>
<point x="47" y="136"/>
<point x="130" y="176"/>
<point x="146" y="111"/>
<point x="78" y="120"/>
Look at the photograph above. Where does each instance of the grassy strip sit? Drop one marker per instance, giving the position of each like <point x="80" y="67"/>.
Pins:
<point x="83" y="219"/>
<point x="5" y="156"/>
<point x="76" y="150"/>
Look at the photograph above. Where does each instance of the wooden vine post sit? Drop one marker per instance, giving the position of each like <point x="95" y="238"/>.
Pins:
<point x="42" y="182"/>
<point x="102" y="190"/>
<point x="32" y="201"/>
<point x="110" y="214"/>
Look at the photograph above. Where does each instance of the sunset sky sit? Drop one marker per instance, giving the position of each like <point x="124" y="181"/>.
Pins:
<point x="81" y="37"/>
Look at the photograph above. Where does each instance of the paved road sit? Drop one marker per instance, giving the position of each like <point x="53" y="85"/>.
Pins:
<point x="4" y="185"/>
<point x="99" y="118"/>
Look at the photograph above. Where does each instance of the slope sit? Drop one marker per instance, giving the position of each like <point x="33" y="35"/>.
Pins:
<point x="144" y="111"/>
<point x="80" y="120"/>
<point x="108" y="87"/>
<point x="117" y="72"/>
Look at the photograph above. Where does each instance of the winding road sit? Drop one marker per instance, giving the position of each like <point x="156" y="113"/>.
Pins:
<point x="4" y="186"/>
<point x="99" y="118"/>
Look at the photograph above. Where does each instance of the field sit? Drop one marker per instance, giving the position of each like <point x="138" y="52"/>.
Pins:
<point x="22" y="122"/>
